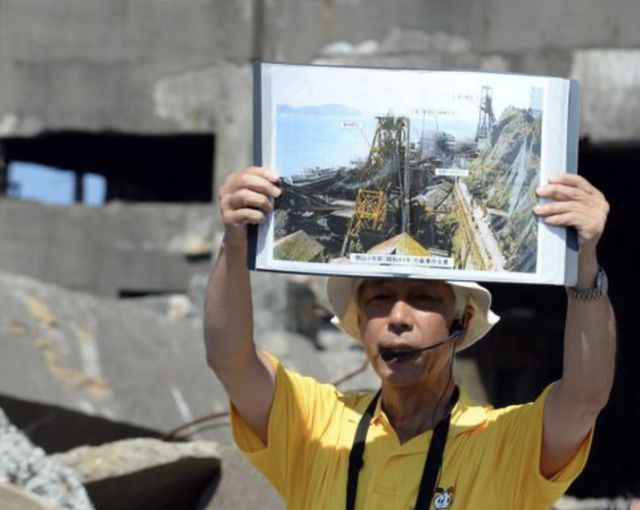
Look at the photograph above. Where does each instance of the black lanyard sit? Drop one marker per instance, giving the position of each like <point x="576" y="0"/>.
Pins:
<point x="431" y="466"/>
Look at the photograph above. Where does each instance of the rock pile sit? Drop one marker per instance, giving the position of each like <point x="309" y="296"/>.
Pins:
<point x="24" y="465"/>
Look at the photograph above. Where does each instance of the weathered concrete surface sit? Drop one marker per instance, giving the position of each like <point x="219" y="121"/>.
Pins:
<point x="414" y="49"/>
<point x="139" y="474"/>
<point x="107" y="250"/>
<point x="120" y="361"/>
<point x="125" y="362"/>
<point x="94" y="66"/>
<point x="610" y="81"/>
<point x="26" y="466"/>
<point x="163" y="67"/>
<point x="13" y="497"/>
<point x="296" y="27"/>
<point x="102" y="357"/>
<point x="119" y="53"/>
<point x="42" y="423"/>
<point x="215" y="97"/>
<point x="569" y="503"/>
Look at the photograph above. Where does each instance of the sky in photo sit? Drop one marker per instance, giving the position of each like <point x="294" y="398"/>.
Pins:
<point x="399" y="92"/>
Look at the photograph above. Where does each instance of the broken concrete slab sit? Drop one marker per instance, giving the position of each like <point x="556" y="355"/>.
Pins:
<point x="120" y="361"/>
<point x="104" y="358"/>
<point x="136" y="473"/>
<point x="42" y="424"/>
<point x="26" y="466"/>
<point x="13" y="497"/>
<point x="145" y="473"/>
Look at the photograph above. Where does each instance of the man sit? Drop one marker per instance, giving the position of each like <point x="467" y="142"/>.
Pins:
<point x="416" y="445"/>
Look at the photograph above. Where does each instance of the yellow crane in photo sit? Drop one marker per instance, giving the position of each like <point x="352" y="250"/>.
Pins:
<point x="388" y="159"/>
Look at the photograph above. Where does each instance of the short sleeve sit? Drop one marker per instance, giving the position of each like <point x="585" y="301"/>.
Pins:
<point x="300" y="406"/>
<point x="516" y="450"/>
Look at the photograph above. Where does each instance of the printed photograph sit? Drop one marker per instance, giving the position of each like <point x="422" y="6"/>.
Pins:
<point x="406" y="168"/>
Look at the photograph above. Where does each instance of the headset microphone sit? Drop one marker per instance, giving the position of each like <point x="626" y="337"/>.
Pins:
<point x="455" y="330"/>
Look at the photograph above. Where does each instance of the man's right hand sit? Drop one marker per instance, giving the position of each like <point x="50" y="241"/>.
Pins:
<point x="245" y="198"/>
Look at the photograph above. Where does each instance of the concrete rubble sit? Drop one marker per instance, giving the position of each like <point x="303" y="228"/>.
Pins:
<point x="102" y="357"/>
<point x="143" y="473"/>
<point x="141" y="364"/>
<point x="569" y="503"/>
<point x="146" y="473"/>
<point x="25" y="465"/>
<point x="113" y="359"/>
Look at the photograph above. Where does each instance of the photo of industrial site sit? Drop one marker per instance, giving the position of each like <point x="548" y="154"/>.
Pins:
<point x="444" y="180"/>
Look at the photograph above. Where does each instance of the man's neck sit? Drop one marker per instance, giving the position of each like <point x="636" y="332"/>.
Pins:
<point x="413" y="410"/>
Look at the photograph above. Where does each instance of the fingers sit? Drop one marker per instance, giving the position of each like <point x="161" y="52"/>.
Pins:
<point x="246" y="196"/>
<point x="255" y="179"/>
<point x="241" y="217"/>
<point x="567" y="219"/>
<point x="553" y="208"/>
<point x="561" y="192"/>
<point x="262" y="172"/>
<point x="574" y="202"/>
<point x="573" y="180"/>
<point x="568" y="187"/>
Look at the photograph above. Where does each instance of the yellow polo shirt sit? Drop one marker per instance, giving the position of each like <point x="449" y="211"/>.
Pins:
<point x="491" y="460"/>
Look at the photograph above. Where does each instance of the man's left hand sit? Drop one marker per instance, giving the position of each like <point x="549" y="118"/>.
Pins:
<point x="576" y="203"/>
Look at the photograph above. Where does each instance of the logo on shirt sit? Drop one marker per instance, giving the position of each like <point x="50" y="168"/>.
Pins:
<point x="443" y="498"/>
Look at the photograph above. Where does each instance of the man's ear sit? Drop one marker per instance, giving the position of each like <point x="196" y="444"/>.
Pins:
<point x="464" y="323"/>
<point x="467" y="316"/>
<point x="359" y="319"/>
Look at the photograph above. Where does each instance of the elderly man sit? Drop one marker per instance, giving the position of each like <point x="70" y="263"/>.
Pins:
<point x="417" y="443"/>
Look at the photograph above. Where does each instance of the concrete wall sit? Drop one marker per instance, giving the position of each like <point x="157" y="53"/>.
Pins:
<point x="97" y="66"/>
<point x="104" y="251"/>
<point x="73" y="64"/>
<point x="297" y="28"/>
<point x="93" y="66"/>
<point x="153" y="66"/>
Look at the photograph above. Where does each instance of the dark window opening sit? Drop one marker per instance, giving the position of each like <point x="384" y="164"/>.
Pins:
<point x="136" y="293"/>
<point x="135" y="168"/>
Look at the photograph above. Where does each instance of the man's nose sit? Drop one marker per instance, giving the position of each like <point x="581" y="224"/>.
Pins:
<point x="401" y="316"/>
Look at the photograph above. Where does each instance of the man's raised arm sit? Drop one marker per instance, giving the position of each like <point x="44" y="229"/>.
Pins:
<point x="246" y="373"/>
<point x="576" y="400"/>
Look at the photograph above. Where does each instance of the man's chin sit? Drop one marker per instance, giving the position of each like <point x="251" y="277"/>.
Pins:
<point x="406" y="373"/>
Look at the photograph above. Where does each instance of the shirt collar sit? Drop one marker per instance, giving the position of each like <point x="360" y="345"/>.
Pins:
<point x="464" y="418"/>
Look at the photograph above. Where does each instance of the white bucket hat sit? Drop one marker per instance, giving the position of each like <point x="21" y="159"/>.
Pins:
<point x="342" y="293"/>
